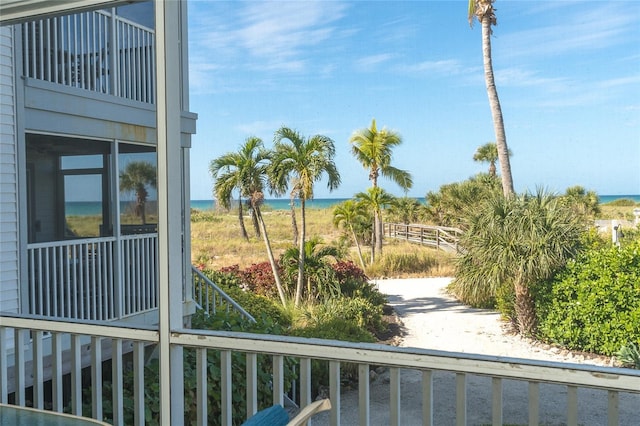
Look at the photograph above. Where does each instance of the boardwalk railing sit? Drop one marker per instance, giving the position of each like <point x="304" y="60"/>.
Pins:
<point x="93" y="279"/>
<point x="620" y="388"/>
<point x="440" y="237"/>
<point x="97" y="51"/>
<point x="212" y="298"/>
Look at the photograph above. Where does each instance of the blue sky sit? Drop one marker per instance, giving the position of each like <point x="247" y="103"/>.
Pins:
<point x="568" y="77"/>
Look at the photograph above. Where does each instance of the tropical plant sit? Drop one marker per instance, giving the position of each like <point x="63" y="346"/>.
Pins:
<point x="375" y="199"/>
<point x="234" y="171"/>
<point x="629" y="355"/>
<point x="488" y="153"/>
<point x="302" y="162"/>
<point x="406" y="210"/>
<point x="135" y="177"/>
<point x="352" y="215"/>
<point x="318" y="273"/>
<point x="584" y="203"/>
<point x="484" y="12"/>
<point x="511" y="244"/>
<point x="247" y="170"/>
<point x="373" y="148"/>
<point x="450" y="204"/>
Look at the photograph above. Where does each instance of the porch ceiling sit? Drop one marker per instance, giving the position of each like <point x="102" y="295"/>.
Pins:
<point x="14" y="11"/>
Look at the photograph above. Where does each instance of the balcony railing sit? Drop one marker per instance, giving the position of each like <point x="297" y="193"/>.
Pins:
<point x="93" y="279"/>
<point x="620" y="388"/>
<point x="211" y="298"/>
<point x="97" y="51"/>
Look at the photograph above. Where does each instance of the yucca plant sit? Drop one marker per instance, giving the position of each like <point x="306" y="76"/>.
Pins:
<point x="629" y="355"/>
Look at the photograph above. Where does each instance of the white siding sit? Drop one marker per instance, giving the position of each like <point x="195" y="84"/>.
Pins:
<point x="9" y="300"/>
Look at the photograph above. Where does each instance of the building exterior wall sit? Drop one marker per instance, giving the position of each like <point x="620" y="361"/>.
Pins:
<point x="9" y="232"/>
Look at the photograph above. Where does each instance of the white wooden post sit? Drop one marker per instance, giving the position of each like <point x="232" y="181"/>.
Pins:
<point x="169" y="16"/>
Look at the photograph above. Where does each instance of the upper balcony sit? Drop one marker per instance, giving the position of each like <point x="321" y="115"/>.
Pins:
<point x="97" y="51"/>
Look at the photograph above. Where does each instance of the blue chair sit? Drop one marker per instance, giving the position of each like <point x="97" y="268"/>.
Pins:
<point x="278" y="416"/>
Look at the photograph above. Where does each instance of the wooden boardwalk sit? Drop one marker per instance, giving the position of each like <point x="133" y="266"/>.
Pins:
<point x="440" y="237"/>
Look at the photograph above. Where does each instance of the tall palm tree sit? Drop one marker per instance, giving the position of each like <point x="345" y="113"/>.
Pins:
<point x="136" y="176"/>
<point x="375" y="199"/>
<point x="483" y="11"/>
<point x="246" y="171"/>
<point x="349" y="214"/>
<point x="231" y="172"/>
<point x="373" y="148"/>
<point x="302" y="162"/>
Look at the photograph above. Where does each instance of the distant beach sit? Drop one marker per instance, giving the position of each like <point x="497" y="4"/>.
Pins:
<point x="90" y="208"/>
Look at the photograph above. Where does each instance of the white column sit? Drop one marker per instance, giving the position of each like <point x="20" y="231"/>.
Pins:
<point x="168" y="43"/>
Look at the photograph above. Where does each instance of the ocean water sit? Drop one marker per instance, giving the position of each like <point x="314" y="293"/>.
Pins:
<point x="90" y="208"/>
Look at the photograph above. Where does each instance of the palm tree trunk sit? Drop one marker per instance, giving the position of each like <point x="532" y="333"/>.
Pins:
<point x="300" y="282"/>
<point x="355" y="239"/>
<point x="377" y="224"/>
<point x="243" y="230"/>
<point x="294" y="224"/>
<point x="272" y="261"/>
<point x="254" y="220"/>
<point x="496" y="110"/>
<point x="525" y="310"/>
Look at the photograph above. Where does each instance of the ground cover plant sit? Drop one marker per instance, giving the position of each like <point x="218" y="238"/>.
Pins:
<point x="594" y="304"/>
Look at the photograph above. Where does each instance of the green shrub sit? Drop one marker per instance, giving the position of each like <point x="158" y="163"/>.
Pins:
<point x="358" y="311"/>
<point x="594" y="304"/>
<point x="257" y="305"/>
<point x="354" y="283"/>
<point x="622" y="202"/>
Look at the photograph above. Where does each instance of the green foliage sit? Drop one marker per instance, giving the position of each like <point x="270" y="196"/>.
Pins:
<point x="204" y="216"/>
<point x="353" y="311"/>
<point x="231" y="282"/>
<point x="454" y="201"/>
<point x="318" y="273"/>
<point x="515" y="242"/>
<point x="399" y="263"/>
<point x="584" y="203"/>
<point x="622" y="202"/>
<point x="220" y="321"/>
<point x="354" y="283"/>
<point x="405" y="210"/>
<point x="594" y="304"/>
<point x="629" y="355"/>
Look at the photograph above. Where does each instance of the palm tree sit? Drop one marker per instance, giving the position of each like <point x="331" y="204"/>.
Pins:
<point x="375" y="199"/>
<point x="135" y="177"/>
<point x="483" y="11"/>
<point x="231" y="171"/>
<point x="512" y="244"/>
<point x="373" y="149"/>
<point x="406" y="210"/>
<point x="488" y="153"/>
<point x="246" y="170"/>
<point x="302" y="162"/>
<point x="350" y="214"/>
<point x="319" y="274"/>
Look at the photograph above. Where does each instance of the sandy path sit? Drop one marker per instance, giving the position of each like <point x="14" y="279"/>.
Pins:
<point x="433" y="320"/>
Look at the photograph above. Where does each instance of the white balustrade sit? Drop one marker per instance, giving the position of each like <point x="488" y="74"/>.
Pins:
<point x="97" y="51"/>
<point x="93" y="279"/>
<point x="616" y="384"/>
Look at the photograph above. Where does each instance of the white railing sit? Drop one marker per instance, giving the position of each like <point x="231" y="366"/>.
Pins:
<point x="93" y="279"/>
<point x="140" y="273"/>
<point x="211" y="298"/>
<point x="97" y="51"/>
<point x="620" y="387"/>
